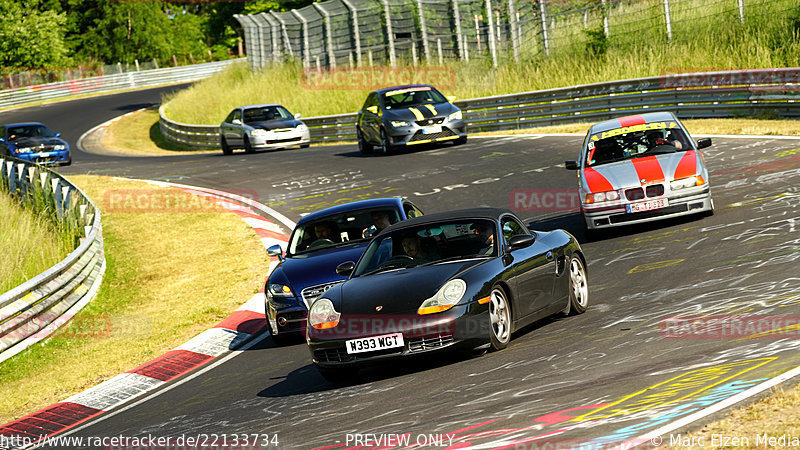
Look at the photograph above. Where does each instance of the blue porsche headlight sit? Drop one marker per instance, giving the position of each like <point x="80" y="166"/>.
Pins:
<point x="447" y="296"/>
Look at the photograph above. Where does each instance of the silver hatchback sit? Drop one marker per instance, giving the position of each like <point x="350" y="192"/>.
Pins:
<point x="264" y="126"/>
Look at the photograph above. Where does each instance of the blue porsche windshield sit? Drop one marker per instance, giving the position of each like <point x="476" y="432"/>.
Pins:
<point x="429" y="244"/>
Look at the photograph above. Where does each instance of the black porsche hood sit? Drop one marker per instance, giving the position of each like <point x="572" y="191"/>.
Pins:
<point x="397" y="291"/>
<point x="275" y="124"/>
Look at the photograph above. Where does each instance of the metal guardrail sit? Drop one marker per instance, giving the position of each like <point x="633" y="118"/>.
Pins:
<point x="109" y="83"/>
<point x="774" y="92"/>
<point x="32" y="310"/>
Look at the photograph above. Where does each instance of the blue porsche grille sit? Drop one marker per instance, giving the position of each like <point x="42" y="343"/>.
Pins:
<point x="428" y="343"/>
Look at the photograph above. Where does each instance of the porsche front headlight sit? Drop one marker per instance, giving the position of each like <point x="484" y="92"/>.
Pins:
<point x="323" y="315"/>
<point x="456" y="115"/>
<point x="447" y="296"/>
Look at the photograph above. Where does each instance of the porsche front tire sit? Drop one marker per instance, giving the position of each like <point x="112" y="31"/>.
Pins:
<point x="499" y="318"/>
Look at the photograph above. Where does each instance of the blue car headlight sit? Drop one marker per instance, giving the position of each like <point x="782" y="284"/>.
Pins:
<point x="280" y="290"/>
<point x="23" y="150"/>
<point x="60" y="147"/>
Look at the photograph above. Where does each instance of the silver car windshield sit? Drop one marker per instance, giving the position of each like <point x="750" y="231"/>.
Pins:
<point x="634" y="142"/>
<point x="266" y="113"/>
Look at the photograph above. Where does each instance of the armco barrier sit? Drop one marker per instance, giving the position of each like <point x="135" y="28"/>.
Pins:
<point x="109" y="83"/>
<point x="772" y="92"/>
<point x="34" y="309"/>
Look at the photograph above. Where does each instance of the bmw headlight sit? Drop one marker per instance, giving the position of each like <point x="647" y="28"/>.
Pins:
<point x="258" y="132"/>
<point x="447" y="296"/>
<point x="23" y="150"/>
<point x="455" y="116"/>
<point x="302" y="128"/>
<point x="280" y="290"/>
<point x="399" y="123"/>
<point x="688" y="182"/>
<point x="323" y="315"/>
<point x="599" y="197"/>
<point x="59" y="147"/>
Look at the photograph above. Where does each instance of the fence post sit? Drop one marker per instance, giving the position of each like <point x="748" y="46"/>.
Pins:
<point x="439" y="49"/>
<point x="459" y="35"/>
<point x="477" y="33"/>
<point x="605" y="19"/>
<point x="741" y="11"/>
<point x="424" y="31"/>
<point x="306" y="49"/>
<point x="328" y="35"/>
<point x="356" y="30"/>
<point x="668" y="20"/>
<point x="543" y="17"/>
<point x="390" y="33"/>
<point x="513" y="23"/>
<point x="492" y="37"/>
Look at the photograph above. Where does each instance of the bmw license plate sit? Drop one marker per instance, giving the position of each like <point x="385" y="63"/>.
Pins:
<point x="648" y="205"/>
<point x="374" y="343"/>
<point x="433" y="129"/>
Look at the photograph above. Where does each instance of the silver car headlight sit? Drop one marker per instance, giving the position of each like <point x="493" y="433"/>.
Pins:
<point x="259" y="132"/>
<point x="302" y="128"/>
<point x="455" y="116"/>
<point x="447" y="296"/>
<point x="688" y="182"/>
<point x="598" y="197"/>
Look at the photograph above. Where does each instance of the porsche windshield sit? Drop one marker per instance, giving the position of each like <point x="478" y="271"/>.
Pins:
<point x="635" y="141"/>
<point x="404" y="98"/>
<point x="429" y="244"/>
<point x="339" y="229"/>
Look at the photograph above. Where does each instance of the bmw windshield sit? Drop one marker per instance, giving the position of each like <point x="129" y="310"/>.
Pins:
<point x="635" y="141"/>
<point x="29" y="131"/>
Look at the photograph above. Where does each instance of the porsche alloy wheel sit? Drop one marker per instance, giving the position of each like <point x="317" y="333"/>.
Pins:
<point x="499" y="318"/>
<point x="578" y="287"/>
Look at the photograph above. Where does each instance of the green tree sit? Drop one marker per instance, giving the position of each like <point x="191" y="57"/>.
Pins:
<point x="31" y="38"/>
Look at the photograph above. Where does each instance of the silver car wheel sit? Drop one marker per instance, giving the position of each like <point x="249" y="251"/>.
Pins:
<point x="500" y="319"/>
<point x="579" y="286"/>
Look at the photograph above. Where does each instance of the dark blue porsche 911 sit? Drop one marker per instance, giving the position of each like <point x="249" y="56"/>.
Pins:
<point x="462" y="279"/>
<point x="320" y="242"/>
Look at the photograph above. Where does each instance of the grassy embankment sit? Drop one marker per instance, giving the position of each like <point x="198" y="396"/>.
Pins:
<point x="156" y="295"/>
<point x="29" y="243"/>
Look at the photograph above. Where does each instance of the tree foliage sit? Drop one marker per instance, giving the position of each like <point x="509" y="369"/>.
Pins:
<point x="31" y="38"/>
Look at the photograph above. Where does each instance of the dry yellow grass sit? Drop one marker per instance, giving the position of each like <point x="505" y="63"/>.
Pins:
<point x="138" y="133"/>
<point x="156" y="295"/>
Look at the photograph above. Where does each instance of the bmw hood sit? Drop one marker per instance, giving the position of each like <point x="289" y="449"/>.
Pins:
<point x="420" y="112"/>
<point x="311" y="269"/>
<point x="38" y="141"/>
<point x="642" y="171"/>
<point x="397" y="291"/>
<point x="275" y="124"/>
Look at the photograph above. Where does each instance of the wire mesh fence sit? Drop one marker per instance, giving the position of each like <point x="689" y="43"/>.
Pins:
<point x="372" y="32"/>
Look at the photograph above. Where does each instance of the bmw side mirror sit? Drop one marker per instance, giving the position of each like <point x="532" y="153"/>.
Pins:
<point x="346" y="268"/>
<point x="521" y="241"/>
<point x="2" y="140"/>
<point x="58" y="134"/>
<point x="297" y="115"/>
<point x="571" y="165"/>
<point x="703" y="143"/>
<point x="275" y="250"/>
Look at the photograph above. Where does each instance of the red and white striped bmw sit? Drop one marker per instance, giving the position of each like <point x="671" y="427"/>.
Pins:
<point x="641" y="168"/>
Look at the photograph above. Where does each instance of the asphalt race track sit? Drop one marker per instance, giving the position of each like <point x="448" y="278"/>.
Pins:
<point x="634" y="362"/>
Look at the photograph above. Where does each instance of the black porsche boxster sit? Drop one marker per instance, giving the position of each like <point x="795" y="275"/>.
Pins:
<point x="456" y="280"/>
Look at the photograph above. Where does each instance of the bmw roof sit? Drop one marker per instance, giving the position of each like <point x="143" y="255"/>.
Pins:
<point x="627" y="121"/>
<point x="471" y="213"/>
<point x="371" y="203"/>
<point x="23" y="124"/>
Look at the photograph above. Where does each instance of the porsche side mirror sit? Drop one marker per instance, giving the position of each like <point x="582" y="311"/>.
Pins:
<point x="275" y="250"/>
<point x="571" y="165"/>
<point x="703" y="143"/>
<point x="521" y="241"/>
<point x="346" y="268"/>
<point x="297" y="115"/>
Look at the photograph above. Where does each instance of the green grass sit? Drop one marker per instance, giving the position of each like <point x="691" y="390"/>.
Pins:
<point x="706" y="36"/>
<point x="29" y="243"/>
<point x="156" y="295"/>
